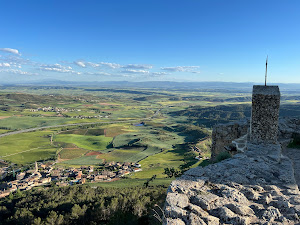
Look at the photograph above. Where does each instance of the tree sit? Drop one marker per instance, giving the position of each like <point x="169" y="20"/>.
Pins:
<point x="51" y="219"/>
<point x="37" y="221"/>
<point x="77" y="211"/>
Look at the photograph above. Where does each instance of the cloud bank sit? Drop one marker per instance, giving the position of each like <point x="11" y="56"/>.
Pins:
<point x="11" y="61"/>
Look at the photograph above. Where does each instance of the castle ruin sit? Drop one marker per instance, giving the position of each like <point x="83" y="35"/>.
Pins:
<point x="256" y="186"/>
<point x="262" y="128"/>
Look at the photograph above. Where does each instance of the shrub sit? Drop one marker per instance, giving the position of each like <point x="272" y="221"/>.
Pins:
<point x="296" y="141"/>
<point x="222" y="156"/>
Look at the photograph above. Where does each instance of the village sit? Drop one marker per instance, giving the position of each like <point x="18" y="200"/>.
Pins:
<point x="49" y="173"/>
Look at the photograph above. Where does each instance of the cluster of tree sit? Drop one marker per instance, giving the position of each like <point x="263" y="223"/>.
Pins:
<point x="172" y="172"/>
<point x="82" y="205"/>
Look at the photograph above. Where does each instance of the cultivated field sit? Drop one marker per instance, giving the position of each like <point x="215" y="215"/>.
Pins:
<point x="156" y="128"/>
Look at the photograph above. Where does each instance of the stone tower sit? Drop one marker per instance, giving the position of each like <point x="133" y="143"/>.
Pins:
<point x="264" y="115"/>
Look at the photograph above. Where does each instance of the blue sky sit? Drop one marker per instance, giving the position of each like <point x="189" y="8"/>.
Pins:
<point x="139" y="40"/>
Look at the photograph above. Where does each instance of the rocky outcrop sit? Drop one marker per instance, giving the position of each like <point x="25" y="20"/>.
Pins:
<point x="254" y="187"/>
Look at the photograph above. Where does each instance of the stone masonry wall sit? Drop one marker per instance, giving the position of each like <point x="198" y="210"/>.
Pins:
<point x="265" y="113"/>
<point x="224" y="134"/>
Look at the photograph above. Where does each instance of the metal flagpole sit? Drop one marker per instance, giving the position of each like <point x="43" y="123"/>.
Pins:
<point x="266" y="71"/>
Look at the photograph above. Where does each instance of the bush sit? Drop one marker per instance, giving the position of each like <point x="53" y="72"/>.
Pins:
<point x="222" y="156"/>
<point x="296" y="141"/>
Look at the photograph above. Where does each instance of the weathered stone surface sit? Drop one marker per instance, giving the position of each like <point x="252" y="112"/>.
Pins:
<point x="211" y="220"/>
<point x="204" y="200"/>
<point x="174" y="221"/>
<point x="196" y="220"/>
<point x="198" y="210"/>
<point x="175" y="212"/>
<point x="176" y="199"/>
<point x="232" y="194"/>
<point x="265" y="197"/>
<point x="242" y="210"/>
<point x="184" y="185"/>
<point x="226" y="214"/>
<point x="271" y="214"/>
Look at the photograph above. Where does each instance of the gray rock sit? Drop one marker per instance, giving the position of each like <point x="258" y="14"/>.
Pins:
<point x="251" y="194"/>
<point x="175" y="212"/>
<point x="185" y="186"/>
<point x="177" y="221"/>
<point x="204" y="200"/>
<point x="242" y="210"/>
<point x="211" y="220"/>
<point x="196" y="220"/>
<point x="198" y="210"/>
<point x="281" y="203"/>
<point x="266" y="199"/>
<point x="271" y="214"/>
<point x="176" y="199"/>
<point x="234" y="195"/>
<point x="227" y="215"/>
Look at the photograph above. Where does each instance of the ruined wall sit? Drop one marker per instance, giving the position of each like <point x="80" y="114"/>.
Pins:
<point x="224" y="134"/>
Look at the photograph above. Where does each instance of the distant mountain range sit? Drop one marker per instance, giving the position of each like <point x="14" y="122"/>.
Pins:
<point x="245" y="87"/>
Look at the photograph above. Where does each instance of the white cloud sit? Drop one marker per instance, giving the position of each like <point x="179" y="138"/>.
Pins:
<point x="15" y="60"/>
<point x="80" y="63"/>
<point x="93" y="64"/>
<point x="137" y="66"/>
<point x="195" y="72"/>
<point x="110" y="65"/>
<point x="136" y="71"/>
<point x="84" y="64"/>
<point x="16" y="71"/>
<point x="97" y="73"/>
<point x="58" y="68"/>
<point x="159" y="73"/>
<point x="55" y="66"/>
<point x="180" y="68"/>
<point x="10" y="50"/>
<point x="4" y="65"/>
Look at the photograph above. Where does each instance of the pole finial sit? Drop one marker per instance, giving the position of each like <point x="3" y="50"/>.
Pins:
<point x="266" y="71"/>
